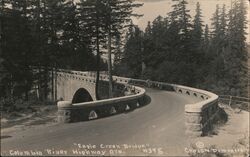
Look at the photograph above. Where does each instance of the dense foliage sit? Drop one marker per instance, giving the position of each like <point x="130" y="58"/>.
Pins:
<point x="52" y="34"/>
<point x="179" y="49"/>
<point x="105" y="19"/>
<point x="39" y="33"/>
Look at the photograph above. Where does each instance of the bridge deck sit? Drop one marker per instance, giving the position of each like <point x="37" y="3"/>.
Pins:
<point x="159" y="124"/>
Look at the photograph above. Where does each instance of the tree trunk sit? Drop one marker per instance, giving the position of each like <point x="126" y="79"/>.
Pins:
<point x="110" y="64"/>
<point x="97" y="67"/>
<point x="39" y="84"/>
<point x="26" y="91"/>
<point x="55" y="88"/>
<point x="11" y="88"/>
<point x="98" y="57"/>
<point x="26" y="64"/>
<point x="38" y="23"/>
<point x="2" y="42"/>
<point x="52" y="84"/>
<point x="45" y="75"/>
<point x="1" y="29"/>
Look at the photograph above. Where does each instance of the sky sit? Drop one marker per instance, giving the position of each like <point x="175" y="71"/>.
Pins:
<point x="152" y="8"/>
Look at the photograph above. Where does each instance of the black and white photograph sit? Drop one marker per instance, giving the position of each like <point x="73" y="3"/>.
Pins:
<point x="125" y="78"/>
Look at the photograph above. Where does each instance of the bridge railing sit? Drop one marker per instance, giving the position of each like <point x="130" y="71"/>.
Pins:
<point x="235" y="101"/>
<point x="199" y="117"/>
<point x="68" y="112"/>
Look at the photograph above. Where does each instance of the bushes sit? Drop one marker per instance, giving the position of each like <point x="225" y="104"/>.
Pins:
<point x="9" y="105"/>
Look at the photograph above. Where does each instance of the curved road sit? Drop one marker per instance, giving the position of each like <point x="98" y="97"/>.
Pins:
<point x="155" y="129"/>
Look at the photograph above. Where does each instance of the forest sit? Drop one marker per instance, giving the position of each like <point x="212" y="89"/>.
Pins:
<point x="48" y="35"/>
<point x="177" y="48"/>
<point x="181" y="49"/>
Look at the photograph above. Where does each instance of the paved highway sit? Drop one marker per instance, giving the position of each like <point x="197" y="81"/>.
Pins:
<point x="155" y="129"/>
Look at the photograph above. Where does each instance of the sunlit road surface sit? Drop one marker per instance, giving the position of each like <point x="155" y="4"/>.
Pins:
<point x="155" y="129"/>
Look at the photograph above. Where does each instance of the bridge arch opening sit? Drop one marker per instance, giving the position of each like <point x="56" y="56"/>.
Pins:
<point x="81" y="95"/>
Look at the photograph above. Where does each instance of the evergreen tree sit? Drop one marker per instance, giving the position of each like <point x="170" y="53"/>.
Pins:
<point x="197" y="32"/>
<point x="218" y="30"/>
<point x="218" y="42"/>
<point x="133" y="52"/>
<point x="92" y="22"/>
<point x="180" y="28"/>
<point x="180" y="20"/>
<point x="39" y="33"/>
<point x="37" y="15"/>
<point x="148" y="52"/>
<point x="2" y="70"/>
<point x="155" y="52"/>
<point x="16" y="47"/>
<point x="206" y="41"/>
<point x="196" y="44"/>
<point x="223" y="23"/>
<point x="69" y="40"/>
<point x="158" y="29"/>
<point x="74" y="44"/>
<point x="117" y="16"/>
<point x="118" y="50"/>
<point x="236" y="50"/>
<point x="148" y="29"/>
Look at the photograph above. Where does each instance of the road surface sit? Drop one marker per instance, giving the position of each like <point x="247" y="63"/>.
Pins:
<point x="155" y="129"/>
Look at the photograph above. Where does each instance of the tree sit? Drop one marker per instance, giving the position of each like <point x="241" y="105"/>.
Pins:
<point x="206" y="41"/>
<point x="236" y="51"/>
<point x="196" y="41"/>
<point x="39" y="33"/>
<point x="218" y="42"/>
<point x="50" y="29"/>
<point x="180" y="33"/>
<point x="118" y="50"/>
<point x="155" y="52"/>
<point x="16" y="47"/>
<point x="180" y="20"/>
<point x="2" y="70"/>
<point x="117" y="16"/>
<point x="133" y="52"/>
<point x="148" y="29"/>
<point x="37" y="18"/>
<point x="197" y="32"/>
<point x="92" y="22"/>
<point x="218" y="30"/>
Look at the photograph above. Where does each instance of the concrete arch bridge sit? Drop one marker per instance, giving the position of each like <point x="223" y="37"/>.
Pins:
<point x="142" y="112"/>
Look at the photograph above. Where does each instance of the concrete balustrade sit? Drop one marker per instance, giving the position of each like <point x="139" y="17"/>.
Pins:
<point x="199" y="117"/>
<point x="69" y="112"/>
